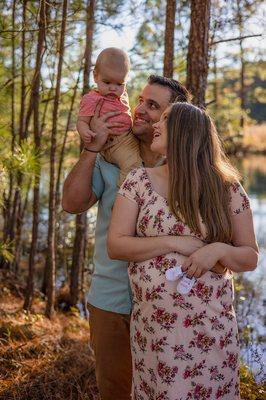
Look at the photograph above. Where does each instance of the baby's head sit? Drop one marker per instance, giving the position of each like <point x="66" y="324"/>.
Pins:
<point x="111" y="71"/>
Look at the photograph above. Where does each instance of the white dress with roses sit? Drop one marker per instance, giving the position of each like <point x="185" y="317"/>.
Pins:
<point x="183" y="346"/>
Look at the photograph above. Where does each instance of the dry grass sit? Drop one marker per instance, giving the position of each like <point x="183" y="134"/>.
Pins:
<point x="42" y="359"/>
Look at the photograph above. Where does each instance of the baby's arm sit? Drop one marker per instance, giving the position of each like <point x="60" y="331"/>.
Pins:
<point x="83" y="127"/>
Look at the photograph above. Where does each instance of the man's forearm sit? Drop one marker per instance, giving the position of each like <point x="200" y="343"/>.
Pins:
<point x="77" y="190"/>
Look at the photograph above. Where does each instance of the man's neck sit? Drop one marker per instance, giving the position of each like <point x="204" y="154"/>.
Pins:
<point x="149" y="158"/>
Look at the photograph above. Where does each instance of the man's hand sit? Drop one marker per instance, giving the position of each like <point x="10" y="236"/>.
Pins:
<point x="101" y="126"/>
<point x="201" y="261"/>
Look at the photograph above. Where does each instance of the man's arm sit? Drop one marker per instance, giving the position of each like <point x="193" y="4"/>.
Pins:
<point x="78" y="195"/>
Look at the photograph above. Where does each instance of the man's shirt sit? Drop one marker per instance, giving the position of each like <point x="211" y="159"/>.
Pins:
<point x="110" y="288"/>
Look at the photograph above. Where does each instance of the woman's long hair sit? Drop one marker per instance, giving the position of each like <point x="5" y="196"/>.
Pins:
<point x="199" y="173"/>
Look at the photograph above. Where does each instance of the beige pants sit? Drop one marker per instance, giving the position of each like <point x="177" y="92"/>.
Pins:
<point x="124" y="152"/>
<point x="110" y="340"/>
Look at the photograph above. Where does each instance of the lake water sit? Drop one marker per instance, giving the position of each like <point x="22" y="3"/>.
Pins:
<point x="251" y="286"/>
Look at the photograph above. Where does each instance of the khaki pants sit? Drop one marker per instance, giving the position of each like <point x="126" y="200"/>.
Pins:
<point x="110" y="340"/>
<point x="124" y="152"/>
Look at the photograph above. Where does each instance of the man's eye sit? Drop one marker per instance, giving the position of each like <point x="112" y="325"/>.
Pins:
<point x="153" y="106"/>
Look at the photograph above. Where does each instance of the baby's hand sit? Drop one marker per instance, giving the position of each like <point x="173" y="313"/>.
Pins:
<point x="87" y="136"/>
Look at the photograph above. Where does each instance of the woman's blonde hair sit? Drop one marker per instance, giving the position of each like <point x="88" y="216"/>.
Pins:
<point x="199" y="171"/>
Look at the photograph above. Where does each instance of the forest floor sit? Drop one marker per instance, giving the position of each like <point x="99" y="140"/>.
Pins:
<point x="42" y="359"/>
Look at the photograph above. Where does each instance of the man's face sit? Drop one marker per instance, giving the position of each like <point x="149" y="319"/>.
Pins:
<point x="153" y="100"/>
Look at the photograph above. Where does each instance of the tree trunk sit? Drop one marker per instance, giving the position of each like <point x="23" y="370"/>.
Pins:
<point x="242" y="94"/>
<point x="197" y="59"/>
<point x="35" y="96"/>
<point x="8" y="201"/>
<point x="81" y="219"/>
<point x="14" y="226"/>
<point x="168" y="68"/>
<point x="52" y="217"/>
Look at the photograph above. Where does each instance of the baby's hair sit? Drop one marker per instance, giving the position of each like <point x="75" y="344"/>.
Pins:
<point x="114" y="57"/>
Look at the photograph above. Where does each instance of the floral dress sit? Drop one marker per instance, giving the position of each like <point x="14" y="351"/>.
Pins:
<point x="183" y="346"/>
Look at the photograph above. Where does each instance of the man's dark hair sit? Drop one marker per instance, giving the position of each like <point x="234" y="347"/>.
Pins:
<point x="178" y="92"/>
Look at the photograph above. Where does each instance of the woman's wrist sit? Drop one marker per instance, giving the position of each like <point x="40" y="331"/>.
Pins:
<point x="219" y="249"/>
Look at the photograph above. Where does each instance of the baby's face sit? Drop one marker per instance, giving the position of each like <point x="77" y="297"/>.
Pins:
<point x="110" y="82"/>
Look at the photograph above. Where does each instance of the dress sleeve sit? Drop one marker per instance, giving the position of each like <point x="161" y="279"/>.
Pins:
<point x="130" y="187"/>
<point x="87" y="105"/>
<point x="239" y="200"/>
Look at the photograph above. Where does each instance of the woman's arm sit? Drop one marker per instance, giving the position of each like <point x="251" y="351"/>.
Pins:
<point x="242" y="256"/>
<point x="123" y="245"/>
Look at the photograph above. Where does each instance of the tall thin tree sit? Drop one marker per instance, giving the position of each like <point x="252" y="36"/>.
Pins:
<point x="52" y="192"/>
<point x="198" y="54"/>
<point x="34" y="102"/>
<point x="79" y="246"/>
<point x="169" y="37"/>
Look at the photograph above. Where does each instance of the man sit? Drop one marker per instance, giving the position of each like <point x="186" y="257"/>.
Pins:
<point x="91" y="180"/>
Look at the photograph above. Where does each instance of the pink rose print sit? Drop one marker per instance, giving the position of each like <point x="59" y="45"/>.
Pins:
<point x="139" y="365"/>
<point x="215" y="375"/>
<point x="194" y="320"/>
<point x="147" y="328"/>
<point x="179" y="301"/>
<point x="202" y="341"/>
<point x="223" y="390"/>
<point x="165" y="319"/>
<point x="226" y="340"/>
<point x="155" y="292"/>
<point x="158" y="220"/>
<point x="143" y="276"/>
<point x="166" y="373"/>
<point x="162" y="264"/>
<point x="216" y="324"/>
<point x="231" y="360"/>
<point x="180" y="353"/>
<point x="204" y="292"/>
<point x="200" y="392"/>
<point x="158" y="344"/>
<point x="177" y="229"/>
<point x="196" y="370"/>
<point x="228" y="311"/>
<point x="138" y="292"/>
<point x="141" y="341"/>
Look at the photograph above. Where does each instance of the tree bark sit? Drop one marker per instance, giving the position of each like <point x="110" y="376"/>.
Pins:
<point x="52" y="217"/>
<point x="168" y="68"/>
<point x="79" y="246"/>
<point x="35" y="96"/>
<point x="197" y="59"/>
<point x="242" y="93"/>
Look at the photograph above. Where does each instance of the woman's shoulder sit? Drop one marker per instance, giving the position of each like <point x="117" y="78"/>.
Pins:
<point x="239" y="200"/>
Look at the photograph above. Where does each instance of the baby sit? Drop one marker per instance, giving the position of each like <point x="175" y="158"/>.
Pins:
<point x="110" y="74"/>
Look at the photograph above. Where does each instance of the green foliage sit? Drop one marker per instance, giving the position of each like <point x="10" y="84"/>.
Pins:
<point x="250" y="389"/>
<point x="6" y="251"/>
<point x="25" y="159"/>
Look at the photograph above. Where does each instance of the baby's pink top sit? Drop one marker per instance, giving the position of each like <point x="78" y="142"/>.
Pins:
<point x="111" y="103"/>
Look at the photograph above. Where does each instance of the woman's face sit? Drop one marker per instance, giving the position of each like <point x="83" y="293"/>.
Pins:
<point x="159" y="143"/>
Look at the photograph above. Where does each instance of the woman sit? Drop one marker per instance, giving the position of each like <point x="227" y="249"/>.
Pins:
<point x="184" y="346"/>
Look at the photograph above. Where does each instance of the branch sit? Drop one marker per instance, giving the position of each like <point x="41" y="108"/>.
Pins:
<point x="232" y="39"/>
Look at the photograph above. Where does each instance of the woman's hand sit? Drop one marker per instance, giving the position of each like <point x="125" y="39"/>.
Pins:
<point x="186" y="245"/>
<point x="202" y="260"/>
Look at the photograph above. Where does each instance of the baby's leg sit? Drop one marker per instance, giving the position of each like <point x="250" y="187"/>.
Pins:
<point x="124" y="153"/>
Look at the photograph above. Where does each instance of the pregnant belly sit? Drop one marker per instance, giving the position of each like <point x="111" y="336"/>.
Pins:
<point x="159" y="264"/>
